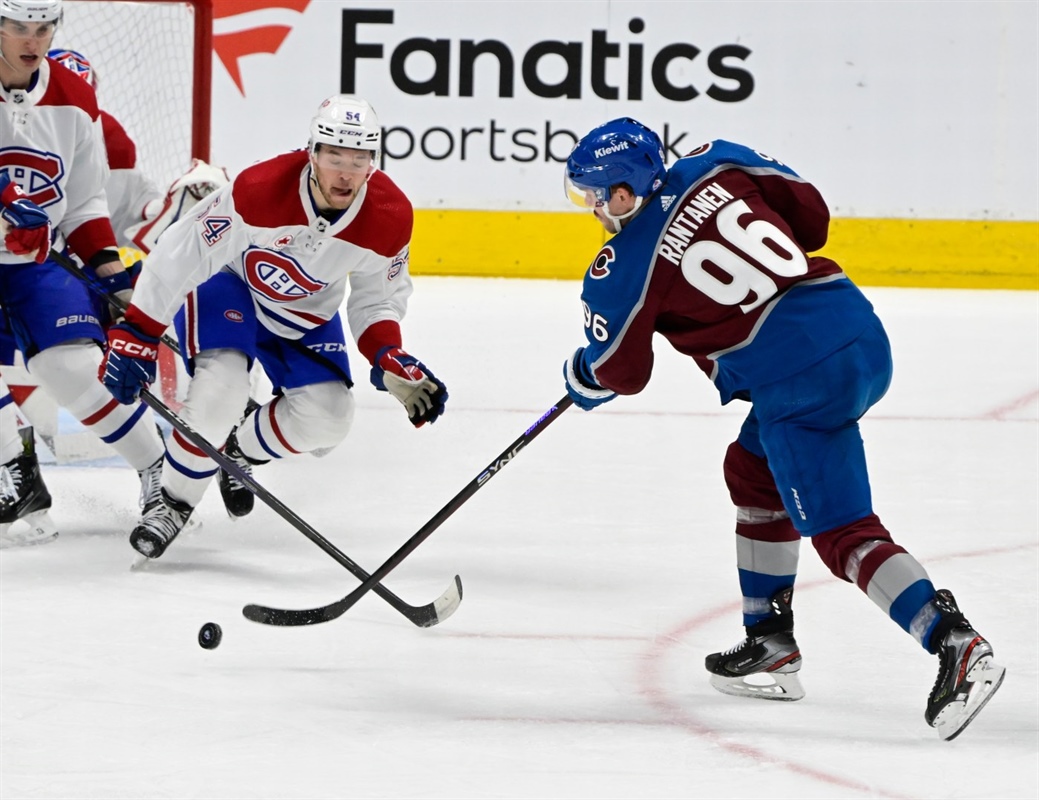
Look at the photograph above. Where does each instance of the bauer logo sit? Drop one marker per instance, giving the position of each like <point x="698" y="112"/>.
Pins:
<point x="39" y="174"/>
<point x="249" y="27"/>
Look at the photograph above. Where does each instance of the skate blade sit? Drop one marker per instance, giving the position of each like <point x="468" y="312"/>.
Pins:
<point x="761" y="685"/>
<point x="40" y="531"/>
<point x="986" y="677"/>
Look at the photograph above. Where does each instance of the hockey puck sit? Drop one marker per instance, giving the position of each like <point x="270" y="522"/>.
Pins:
<point x="209" y="635"/>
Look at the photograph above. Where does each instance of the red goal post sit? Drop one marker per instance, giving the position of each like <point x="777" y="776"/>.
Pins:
<point x="153" y="60"/>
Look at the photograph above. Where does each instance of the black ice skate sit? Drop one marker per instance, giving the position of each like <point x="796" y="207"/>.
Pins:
<point x="238" y="499"/>
<point x="151" y="484"/>
<point x="765" y="664"/>
<point x="160" y="525"/>
<point x="967" y="675"/>
<point x="24" y="496"/>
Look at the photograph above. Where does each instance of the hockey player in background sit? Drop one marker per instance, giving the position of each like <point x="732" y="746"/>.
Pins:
<point x="138" y="210"/>
<point x="712" y="255"/>
<point x="51" y="136"/>
<point x="260" y="273"/>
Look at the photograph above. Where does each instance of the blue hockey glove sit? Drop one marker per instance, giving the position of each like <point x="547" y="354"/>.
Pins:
<point x="129" y="362"/>
<point x="580" y="385"/>
<point x="411" y="382"/>
<point x="26" y="226"/>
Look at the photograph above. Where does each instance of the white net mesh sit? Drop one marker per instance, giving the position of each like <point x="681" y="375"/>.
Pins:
<point x="142" y="53"/>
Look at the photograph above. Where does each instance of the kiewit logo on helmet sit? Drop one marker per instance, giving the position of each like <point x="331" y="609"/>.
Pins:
<point x="613" y="148"/>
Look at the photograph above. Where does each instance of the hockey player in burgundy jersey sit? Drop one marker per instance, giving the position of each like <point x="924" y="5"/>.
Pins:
<point x="712" y="254"/>
<point x="260" y="273"/>
<point x="50" y="146"/>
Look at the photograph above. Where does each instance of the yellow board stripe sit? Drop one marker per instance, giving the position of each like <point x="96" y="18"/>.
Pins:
<point x="963" y="254"/>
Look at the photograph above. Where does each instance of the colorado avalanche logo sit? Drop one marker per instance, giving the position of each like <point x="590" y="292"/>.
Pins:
<point x="39" y="174"/>
<point x="277" y="277"/>
<point x="699" y="151"/>
<point x="600" y="268"/>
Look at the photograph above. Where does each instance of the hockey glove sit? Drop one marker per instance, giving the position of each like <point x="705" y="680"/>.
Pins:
<point x="119" y="288"/>
<point x="411" y="382"/>
<point x="580" y="385"/>
<point x="26" y="226"/>
<point x="129" y="362"/>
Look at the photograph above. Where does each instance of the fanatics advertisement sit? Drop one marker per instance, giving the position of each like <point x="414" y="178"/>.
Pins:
<point x="907" y="110"/>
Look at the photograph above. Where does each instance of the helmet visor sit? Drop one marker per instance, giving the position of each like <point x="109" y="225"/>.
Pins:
<point x="583" y="195"/>
<point x="344" y="159"/>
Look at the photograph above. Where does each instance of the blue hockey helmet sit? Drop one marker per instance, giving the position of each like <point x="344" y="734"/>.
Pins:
<point x="619" y="151"/>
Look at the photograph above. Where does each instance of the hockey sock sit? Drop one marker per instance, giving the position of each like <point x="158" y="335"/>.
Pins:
<point x="68" y="372"/>
<point x="767" y="544"/>
<point x="217" y="393"/>
<point x="10" y="441"/>
<point x="863" y="553"/>
<point x="314" y="417"/>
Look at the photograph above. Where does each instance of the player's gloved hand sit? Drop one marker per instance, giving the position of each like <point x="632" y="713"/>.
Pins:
<point x="580" y="385"/>
<point x="119" y="288"/>
<point x="129" y="362"/>
<point x="411" y="382"/>
<point x="26" y="226"/>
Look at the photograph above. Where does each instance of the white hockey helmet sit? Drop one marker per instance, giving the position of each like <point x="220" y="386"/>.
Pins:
<point x="31" y="10"/>
<point x="345" y="120"/>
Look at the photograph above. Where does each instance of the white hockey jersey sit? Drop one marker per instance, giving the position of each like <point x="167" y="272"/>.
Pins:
<point x="263" y="227"/>
<point x="51" y="145"/>
<point x="128" y="189"/>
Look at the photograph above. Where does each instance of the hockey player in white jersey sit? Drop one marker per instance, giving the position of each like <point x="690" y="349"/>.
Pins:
<point x="51" y="148"/>
<point x="138" y="209"/>
<point x="260" y="273"/>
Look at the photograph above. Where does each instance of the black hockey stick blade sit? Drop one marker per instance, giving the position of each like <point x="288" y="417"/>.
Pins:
<point x="423" y="616"/>
<point x="312" y="616"/>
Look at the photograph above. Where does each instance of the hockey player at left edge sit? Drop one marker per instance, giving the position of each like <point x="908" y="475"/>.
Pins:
<point x="259" y="274"/>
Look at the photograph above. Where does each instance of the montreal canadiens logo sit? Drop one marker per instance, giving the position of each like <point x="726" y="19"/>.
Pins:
<point x="39" y="174"/>
<point x="233" y="315"/>
<point x="600" y="268"/>
<point x="277" y="276"/>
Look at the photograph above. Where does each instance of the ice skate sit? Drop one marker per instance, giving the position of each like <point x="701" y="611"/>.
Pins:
<point x="765" y="664"/>
<point x="24" y="497"/>
<point x="151" y="484"/>
<point x="967" y="674"/>
<point x="160" y="525"/>
<point x="238" y="499"/>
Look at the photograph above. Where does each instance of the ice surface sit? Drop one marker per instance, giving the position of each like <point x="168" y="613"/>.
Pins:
<point x="598" y="571"/>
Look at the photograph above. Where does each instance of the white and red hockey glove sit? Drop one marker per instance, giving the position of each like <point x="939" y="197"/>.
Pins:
<point x="129" y="362"/>
<point x="26" y="228"/>
<point x="411" y="382"/>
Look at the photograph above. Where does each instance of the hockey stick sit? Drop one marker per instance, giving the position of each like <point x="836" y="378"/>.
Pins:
<point x="422" y="616"/>
<point x="285" y="617"/>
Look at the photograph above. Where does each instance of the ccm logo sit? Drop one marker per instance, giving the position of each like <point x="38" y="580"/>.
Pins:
<point x="234" y="316"/>
<point x="136" y="350"/>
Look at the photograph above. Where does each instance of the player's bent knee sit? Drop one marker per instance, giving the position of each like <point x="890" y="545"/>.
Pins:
<point x="322" y="414"/>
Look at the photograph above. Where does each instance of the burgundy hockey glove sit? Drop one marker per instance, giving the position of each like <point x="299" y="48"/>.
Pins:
<point x="129" y="362"/>
<point x="411" y="382"/>
<point x="26" y="226"/>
